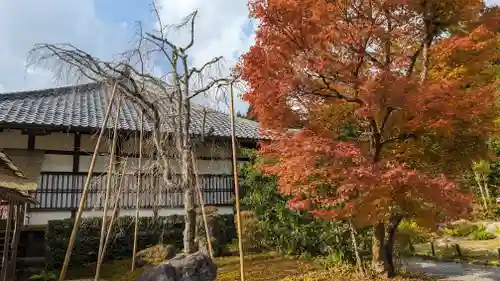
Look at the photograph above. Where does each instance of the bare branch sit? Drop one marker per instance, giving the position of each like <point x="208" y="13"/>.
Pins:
<point x="191" y="18"/>
<point x="402" y="137"/>
<point x="334" y="92"/>
<point x="386" y="117"/>
<point x="201" y="69"/>
<point x="214" y="83"/>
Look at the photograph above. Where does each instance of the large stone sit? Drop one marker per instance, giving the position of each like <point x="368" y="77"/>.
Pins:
<point x="154" y="255"/>
<point x="492" y="227"/>
<point x="193" y="267"/>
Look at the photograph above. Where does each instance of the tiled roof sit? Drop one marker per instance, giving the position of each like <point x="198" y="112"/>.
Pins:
<point x="83" y="107"/>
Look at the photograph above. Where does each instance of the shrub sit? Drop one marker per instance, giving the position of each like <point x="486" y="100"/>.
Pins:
<point x="44" y="276"/>
<point x="481" y="234"/>
<point x="250" y="232"/>
<point x="289" y="231"/>
<point x="166" y="230"/>
<point x="417" y="234"/>
<point x="461" y="229"/>
<point x="409" y="234"/>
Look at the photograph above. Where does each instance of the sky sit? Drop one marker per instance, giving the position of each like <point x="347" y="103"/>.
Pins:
<point x="104" y="29"/>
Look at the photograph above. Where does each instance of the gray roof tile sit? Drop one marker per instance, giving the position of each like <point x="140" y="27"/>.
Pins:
<point x="84" y="106"/>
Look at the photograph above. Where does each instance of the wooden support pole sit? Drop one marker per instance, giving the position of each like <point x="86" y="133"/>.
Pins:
<point x="202" y="204"/>
<point x="459" y="252"/>
<point x="111" y="171"/>
<point x="115" y="211"/>
<point x="236" y="185"/>
<point x="433" y="250"/>
<point x="6" y="246"/>
<point x="85" y="190"/>
<point x="18" y="220"/>
<point x="139" y="184"/>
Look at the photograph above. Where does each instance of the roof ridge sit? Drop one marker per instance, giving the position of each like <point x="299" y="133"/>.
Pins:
<point x="215" y="111"/>
<point x="47" y="91"/>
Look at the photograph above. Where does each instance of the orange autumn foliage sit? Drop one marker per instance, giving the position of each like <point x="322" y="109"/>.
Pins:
<point x="388" y="69"/>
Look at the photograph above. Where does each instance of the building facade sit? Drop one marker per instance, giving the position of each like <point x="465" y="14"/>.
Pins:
<point x="54" y="131"/>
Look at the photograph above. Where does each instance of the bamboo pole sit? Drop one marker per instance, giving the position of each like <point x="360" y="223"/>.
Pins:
<point x="111" y="171"/>
<point x="139" y="184"/>
<point x="115" y="210"/>
<point x="202" y="204"/>
<point x="85" y="190"/>
<point x="236" y="185"/>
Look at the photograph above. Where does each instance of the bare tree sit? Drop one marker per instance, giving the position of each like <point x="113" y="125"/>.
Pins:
<point x="166" y="100"/>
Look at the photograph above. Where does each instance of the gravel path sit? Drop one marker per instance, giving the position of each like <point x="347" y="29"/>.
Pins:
<point x="451" y="271"/>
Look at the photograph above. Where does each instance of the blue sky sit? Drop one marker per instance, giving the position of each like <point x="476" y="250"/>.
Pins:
<point x="104" y="28"/>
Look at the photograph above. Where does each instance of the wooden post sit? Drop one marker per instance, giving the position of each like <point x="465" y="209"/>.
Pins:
<point x="111" y="171"/>
<point x="236" y="185"/>
<point x="85" y="191"/>
<point x="410" y="246"/>
<point x="139" y="184"/>
<point x="457" y="248"/>
<point x="433" y="251"/>
<point x="6" y="246"/>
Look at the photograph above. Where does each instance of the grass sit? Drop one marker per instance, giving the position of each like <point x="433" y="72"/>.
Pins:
<point x="263" y="267"/>
<point x="257" y="268"/>
<point x="482" y="234"/>
<point x="260" y="267"/>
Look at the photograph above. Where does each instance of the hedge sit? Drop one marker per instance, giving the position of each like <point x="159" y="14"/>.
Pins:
<point x="166" y="230"/>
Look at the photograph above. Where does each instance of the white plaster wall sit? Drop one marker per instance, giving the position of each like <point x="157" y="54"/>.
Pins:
<point x="215" y="167"/>
<point x="57" y="163"/>
<point x="13" y="139"/>
<point x="213" y="149"/>
<point x="55" y="141"/>
<point x="88" y="142"/>
<point x="100" y="166"/>
<point x="133" y="164"/>
<point x="41" y="218"/>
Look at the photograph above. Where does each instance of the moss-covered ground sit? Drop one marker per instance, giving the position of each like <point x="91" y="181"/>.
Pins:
<point x="269" y="267"/>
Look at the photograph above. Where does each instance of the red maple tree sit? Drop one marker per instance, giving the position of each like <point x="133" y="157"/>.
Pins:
<point x="386" y="105"/>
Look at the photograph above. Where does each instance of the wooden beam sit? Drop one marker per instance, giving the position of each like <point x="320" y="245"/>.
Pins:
<point x="31" y="142"/>
<point x="76" y="148"/>
<point x="35" y="132"/>
<point x="136" y="155"/>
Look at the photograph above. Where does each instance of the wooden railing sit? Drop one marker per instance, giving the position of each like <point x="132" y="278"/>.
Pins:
<point x="62" y="191"/>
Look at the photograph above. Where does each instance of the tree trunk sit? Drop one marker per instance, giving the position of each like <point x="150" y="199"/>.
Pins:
<point x="359" y="262"/>
<point x="189" y="204"/>
<point x="487" y="190"/>
<point x="379" y="263"/>
<point x="481" y="191"/>
<point x="427" y="42"/>
<point x="389" y="245"/>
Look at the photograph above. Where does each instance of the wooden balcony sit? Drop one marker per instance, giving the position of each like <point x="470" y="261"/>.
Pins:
<point x="62" y="191"/>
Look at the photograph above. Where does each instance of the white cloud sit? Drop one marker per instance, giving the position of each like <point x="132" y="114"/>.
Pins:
<point x="219" y="29"/>
<point x="24" y="23"/>
<point x="493" y="2"/>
